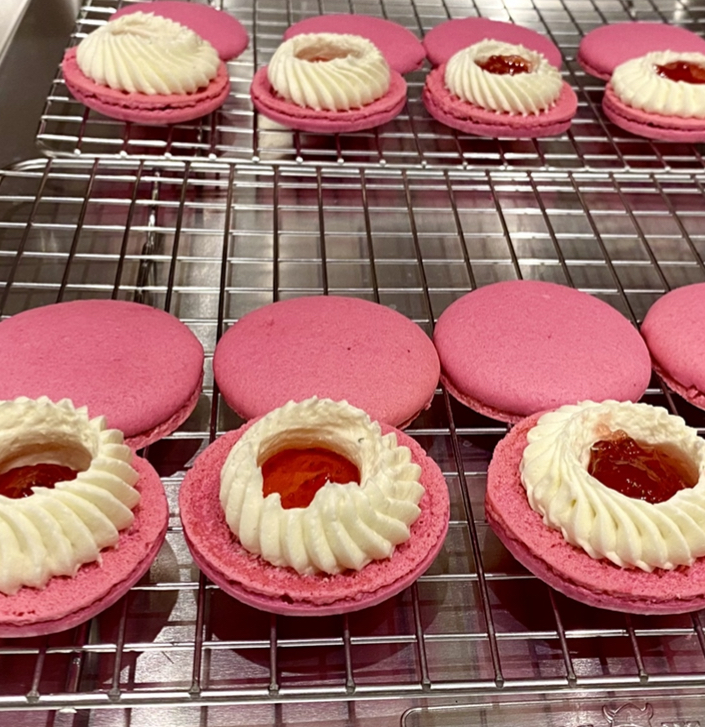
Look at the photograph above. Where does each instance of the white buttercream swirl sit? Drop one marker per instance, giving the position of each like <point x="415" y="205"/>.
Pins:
<point x="146" y="53"/>
<point x="327" y="71"/>
<point x="56" y="530"/>
<point x="346" y="526"/>
<point x="637" y="84"/>
<point x="605" y="523"/>
<point x="524" y="93"/>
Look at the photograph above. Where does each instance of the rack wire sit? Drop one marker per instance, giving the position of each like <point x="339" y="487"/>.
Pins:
<point x="414" y="140"/>
<point x="209" y="242"/>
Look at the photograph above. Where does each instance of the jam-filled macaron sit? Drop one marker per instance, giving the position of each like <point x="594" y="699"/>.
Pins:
<point x="674" y="331"/>
<point x="81" y="517"/>
<point x="313" y="510"/>
<point x="139" y="367"/>
<point x="496" y="79"/>
<point x="328" y="83"/>
<point x="515" y="348"/>
<point x="147" y="68"/>
<point x="327" y="346"/>
<point x="606" y="503"/>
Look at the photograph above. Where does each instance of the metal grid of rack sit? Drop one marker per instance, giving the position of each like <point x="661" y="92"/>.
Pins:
<point x="414" y="140"/>
<point x="209" y="242"/>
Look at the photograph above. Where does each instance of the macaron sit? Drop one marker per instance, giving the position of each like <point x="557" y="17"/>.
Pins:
<point x="255" y="582"/>
<point x="139" y="367"/>
<point x="447" y="39"/>
<point x="569" y="569"/>
<point x="222" y="30"/>
<point x="66" y="602"/>
<point x="332" y="347"/>
<point x="401" y="48"/>
<point x="514" y="348"/>
<point x="674" y="331"/>
<point x="608" y="46"/>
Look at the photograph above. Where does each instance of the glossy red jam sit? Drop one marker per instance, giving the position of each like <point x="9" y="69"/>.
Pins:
<point x="682" y="71"/>
<point x="18" y="482"/>
<point x="649" y="472"/>
<point x="505" y="65"/>
<point x="298" y="474"/>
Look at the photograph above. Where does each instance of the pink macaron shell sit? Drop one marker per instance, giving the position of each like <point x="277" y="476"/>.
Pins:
<point x="402" y="50"/>
<point x="221" y="30"/>
<point x="66" y="601"/>
<point x="651" y="125"/>
<point x="331" y="347"/>
<point x="446" y="39"/>
<point x="379" y="112"/>
<point x="282" y="590"/>
<point x="608" y="46"/>
<point x="674" y="331"/>
<point x="139" y="367"/>
<point x="142" y="108"/>
<point x="458" y="114"/>
<point x="524" y="346"/>
<point x="567" y="568"/>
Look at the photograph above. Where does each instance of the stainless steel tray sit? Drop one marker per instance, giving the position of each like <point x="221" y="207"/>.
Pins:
<point x="414" y="140"/>
<point x="477" y="640"/>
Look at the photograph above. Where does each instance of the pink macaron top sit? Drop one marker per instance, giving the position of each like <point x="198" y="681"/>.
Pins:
<point x="221" y="30"/>
<point x="282" y="590"/>
<point x="331" y="347"/>
<point x="446" y="39"/>
<point x="674" y="331"/>
<point x="136" y="365"/>
<point x="402" y="50"/>
<point x="608" y="46"/>
<point x="520" y="347"/>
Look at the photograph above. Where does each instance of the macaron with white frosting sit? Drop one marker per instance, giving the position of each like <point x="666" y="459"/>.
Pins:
<point x="347" y="543"/>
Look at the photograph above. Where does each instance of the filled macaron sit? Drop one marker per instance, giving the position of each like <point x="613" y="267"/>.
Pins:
<point x="314" y="510"/>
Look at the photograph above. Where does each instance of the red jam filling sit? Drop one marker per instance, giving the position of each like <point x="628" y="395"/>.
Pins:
<point x="298" y="474"/>
<point x="682" y="71"/>
<point x="505" y="65"/>
<point x="650" y="472"/>
<point x="19" y="481"/>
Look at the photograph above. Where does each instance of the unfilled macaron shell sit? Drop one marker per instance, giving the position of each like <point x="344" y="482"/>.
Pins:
<point x="569" y="569"/>
<point x="514" y="348"/>
<point x="331" y="347"/>
<point x="281" y="590"/>
<point x="402" y="50"/>
<point x="446" y="39"/>
<point x="224" y="32"/>
<point x="66" y="602"/>
<point x="139" y="367"/>
<point x="674" y="331"/>
<point x="608" y="46"/>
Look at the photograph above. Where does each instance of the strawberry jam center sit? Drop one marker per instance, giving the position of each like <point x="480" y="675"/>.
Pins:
<point x="650" y="472"/>
<point x="682" y="71"/>
<point x="19" y="481"/>
<point x="298" y="474"/>
<point x="505" y="65"/>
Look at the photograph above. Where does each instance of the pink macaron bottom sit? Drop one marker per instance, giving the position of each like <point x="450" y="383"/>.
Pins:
<point x="650" y="125"/>
<point x="690" y="393"/>
<point x="274" y="107"/>
<point x="567" y="568"/>
<point x="143" y="439"/>
<point x="592" y="70"/>
<point x="281" y="590"/>
<point x="66" y="602"/>
<point x="458" y="114"/>
<point x="142" y="108"/>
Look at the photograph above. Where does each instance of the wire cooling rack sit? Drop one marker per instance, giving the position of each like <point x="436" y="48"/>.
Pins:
<point x="477" y="637"/>
<point x="414" y="140"/>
